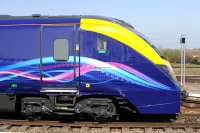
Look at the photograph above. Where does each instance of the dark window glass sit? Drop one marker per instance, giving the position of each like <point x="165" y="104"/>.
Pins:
<point x="61" y="52"/>
<point x="101" y="45"/>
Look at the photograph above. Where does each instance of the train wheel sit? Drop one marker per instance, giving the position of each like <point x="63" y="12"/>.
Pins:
<point x="31" y="112"/>
<point x="31" y="109"/>
<point x="106" y="114"/>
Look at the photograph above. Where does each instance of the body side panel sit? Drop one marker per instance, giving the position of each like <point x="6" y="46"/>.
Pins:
<point x="18" y="46"/>
<point x="131" y="76"/>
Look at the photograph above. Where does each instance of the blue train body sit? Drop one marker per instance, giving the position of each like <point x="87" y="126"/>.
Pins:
<point x="90" y="64"/>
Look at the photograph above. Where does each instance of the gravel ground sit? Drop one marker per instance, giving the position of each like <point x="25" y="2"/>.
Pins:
<point x="192" y="86"/>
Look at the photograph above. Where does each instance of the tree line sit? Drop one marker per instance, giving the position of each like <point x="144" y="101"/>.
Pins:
<point x="174" y="55"/>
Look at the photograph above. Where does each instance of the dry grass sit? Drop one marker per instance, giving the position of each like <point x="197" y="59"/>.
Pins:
<point x="174" y="65"/>
<point x="191" y="69"/>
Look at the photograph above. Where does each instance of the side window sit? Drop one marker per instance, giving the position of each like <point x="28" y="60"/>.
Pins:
<point x="101" y="46"/>
<point x="61" y="50"/>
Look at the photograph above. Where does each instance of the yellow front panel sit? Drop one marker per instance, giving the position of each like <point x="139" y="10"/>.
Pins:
<point x="123" y="35"/>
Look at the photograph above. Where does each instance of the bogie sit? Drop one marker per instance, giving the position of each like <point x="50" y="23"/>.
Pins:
<point x="34" y="108"/>
<point x="98" y="108"/>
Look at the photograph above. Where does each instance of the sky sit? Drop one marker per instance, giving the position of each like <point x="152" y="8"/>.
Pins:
<point x="161" y="21"/>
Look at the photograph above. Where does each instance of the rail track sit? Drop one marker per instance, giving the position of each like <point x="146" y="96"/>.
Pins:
<point x="87" y="127"/>
<point x="186" y="122"/>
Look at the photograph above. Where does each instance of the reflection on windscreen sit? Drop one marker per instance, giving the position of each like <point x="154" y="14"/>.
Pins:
<point x="131" y="28"/>
<point x="153" y="46"/>
<point x="146" y="40"/>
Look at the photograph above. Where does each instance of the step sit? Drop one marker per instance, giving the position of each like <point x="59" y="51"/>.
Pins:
<point x="59" y="90"/>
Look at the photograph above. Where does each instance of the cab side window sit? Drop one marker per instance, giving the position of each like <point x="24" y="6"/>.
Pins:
<point x="101" y="46"/>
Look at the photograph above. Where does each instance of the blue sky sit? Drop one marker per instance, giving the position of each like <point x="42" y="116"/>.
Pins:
<point x="162" y="21"/>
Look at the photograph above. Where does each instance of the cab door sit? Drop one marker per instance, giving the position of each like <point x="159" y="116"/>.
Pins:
<point x="59" y="64"/>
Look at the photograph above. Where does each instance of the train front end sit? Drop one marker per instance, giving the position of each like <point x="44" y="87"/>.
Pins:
<point x="143" y="77"/>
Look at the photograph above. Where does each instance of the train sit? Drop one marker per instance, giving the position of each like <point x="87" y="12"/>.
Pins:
<point x="87" y="65"/>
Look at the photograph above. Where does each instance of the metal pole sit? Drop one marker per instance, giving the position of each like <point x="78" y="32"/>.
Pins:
<point x="181" y="64"/>
<point x="183" y="55"/>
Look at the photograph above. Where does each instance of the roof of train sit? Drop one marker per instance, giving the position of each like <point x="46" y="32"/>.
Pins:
<point x="120" y="29"/>
<point x="37" y="19"/>
<point x="9" y="20"/>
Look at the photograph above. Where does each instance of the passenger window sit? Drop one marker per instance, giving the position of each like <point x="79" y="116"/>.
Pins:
<point x="61" y="50"/>
<point x="101" y="45"/>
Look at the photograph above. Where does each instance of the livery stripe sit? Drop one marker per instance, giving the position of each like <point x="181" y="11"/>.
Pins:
<point x="113" y="70"/>
<point x="123" y="35"/>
